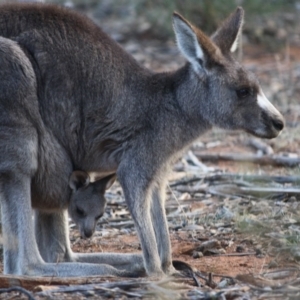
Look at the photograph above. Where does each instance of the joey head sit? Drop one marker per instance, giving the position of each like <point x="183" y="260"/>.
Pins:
<point x="87" y="203"/>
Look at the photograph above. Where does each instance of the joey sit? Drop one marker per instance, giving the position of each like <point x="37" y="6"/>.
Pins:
<point x="87" y="202"/>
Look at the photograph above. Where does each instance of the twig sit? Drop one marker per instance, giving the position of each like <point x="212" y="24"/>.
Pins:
<point x="260" y="145"/>
<point x="210" y="281"/>
<point x="191" y="156"/>
<point x="236" y="254"/>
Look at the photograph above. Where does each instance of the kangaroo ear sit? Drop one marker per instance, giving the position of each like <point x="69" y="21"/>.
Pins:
<point x="78" y="180"/>
<point x="197" y="48"/>
<point x="227" y="36"/>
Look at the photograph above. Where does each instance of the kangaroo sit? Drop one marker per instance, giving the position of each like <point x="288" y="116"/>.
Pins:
<point x="72" y="98"/>
<point x="87" y="203"/>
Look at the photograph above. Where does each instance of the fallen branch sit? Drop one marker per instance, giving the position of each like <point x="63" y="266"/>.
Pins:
<point x="230" y="177"/>
<point x="137" y="288"/>
<point x="254" y="191"/>
<point x="236" y="254"/>
<point x="31" y="283"/>
<point x="235" y="190"/>
<point x="254" y="178"/>
<point x="275" y="160"/>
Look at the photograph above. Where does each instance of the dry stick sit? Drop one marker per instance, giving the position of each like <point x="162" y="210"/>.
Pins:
<point x="260" y="145"/>
<point x="255" y="191"/>
<point x="236" y="254"/>
<point x="254" y="178"/>
<point x="233" y="176"/>
<point x="211" y="283"/>
<point x="30" y="283"/>
<point x="206" y="279"/>
<point x="122" y="287"/>
<point x="88" y="287"/>
<point x="277" y="160"/>
<point x="83" y="289"/>
<point x="231" y="189"/>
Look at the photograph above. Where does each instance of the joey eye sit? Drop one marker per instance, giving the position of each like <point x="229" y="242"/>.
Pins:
<point x="80" y="212"/>
<point x="244" y="92"/>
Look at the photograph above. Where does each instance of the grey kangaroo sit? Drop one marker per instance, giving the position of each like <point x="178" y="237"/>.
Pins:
<point x="87" y="203"/>
<point x="72" y="99"/>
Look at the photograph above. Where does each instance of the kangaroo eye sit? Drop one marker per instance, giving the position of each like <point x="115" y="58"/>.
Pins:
<point x="243" y="92"/>
<point x="80" y="212"/>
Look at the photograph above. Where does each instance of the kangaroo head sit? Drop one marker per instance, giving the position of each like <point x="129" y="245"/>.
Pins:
<point x="87" y="203"/>
<point x="231" y="96"/>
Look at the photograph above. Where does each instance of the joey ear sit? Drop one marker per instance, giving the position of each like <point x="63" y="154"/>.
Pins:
<point x="193" y="43"/>
<point x="105" y="183"/>
<point x="110" y="180"/>
<point x="227" y="36"/>
<point x="79" y="179"/>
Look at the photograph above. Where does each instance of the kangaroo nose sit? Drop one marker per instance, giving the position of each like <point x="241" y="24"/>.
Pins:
<point x="278" y="124"/>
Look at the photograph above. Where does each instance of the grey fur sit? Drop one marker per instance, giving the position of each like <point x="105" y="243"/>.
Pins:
<point x="71" y="98"/>
<point x="87" y="203"/>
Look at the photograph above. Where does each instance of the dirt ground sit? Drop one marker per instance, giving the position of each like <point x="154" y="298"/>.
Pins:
<point x="240" y="237"/>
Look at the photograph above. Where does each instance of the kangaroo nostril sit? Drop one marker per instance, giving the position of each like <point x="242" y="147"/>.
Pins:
<point x="278" y="124"/>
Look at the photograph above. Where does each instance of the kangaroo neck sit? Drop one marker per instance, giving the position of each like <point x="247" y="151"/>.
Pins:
<point x="183" y="98"/>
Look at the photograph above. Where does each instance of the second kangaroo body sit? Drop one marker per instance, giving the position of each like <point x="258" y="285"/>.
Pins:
<point x="72" y="98"/>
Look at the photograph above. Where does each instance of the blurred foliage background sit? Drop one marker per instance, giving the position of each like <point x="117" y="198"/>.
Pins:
<point x="272" y="23"/>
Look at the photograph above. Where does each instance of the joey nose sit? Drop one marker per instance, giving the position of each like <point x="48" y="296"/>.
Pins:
<point x="278" y="124"/>
<point x="88" y="233"/>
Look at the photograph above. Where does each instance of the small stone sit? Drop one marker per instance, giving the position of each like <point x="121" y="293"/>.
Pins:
<point x="184" y="196"/>
<point x="259" y="253"/>
<point x="225" y="244"/>
<point x="194" y="227"/>
<point x="222" y="284"/>
<point x="211" y="244"/>
<point x="273" y="264"/>
<point x="278" y="242"/>
<point x="240" y="249"/>
<point x="90" y="293"/>
<point x="222" y="251"/>
<point x="124" y="231"/>
<point x="197" y="254"/>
